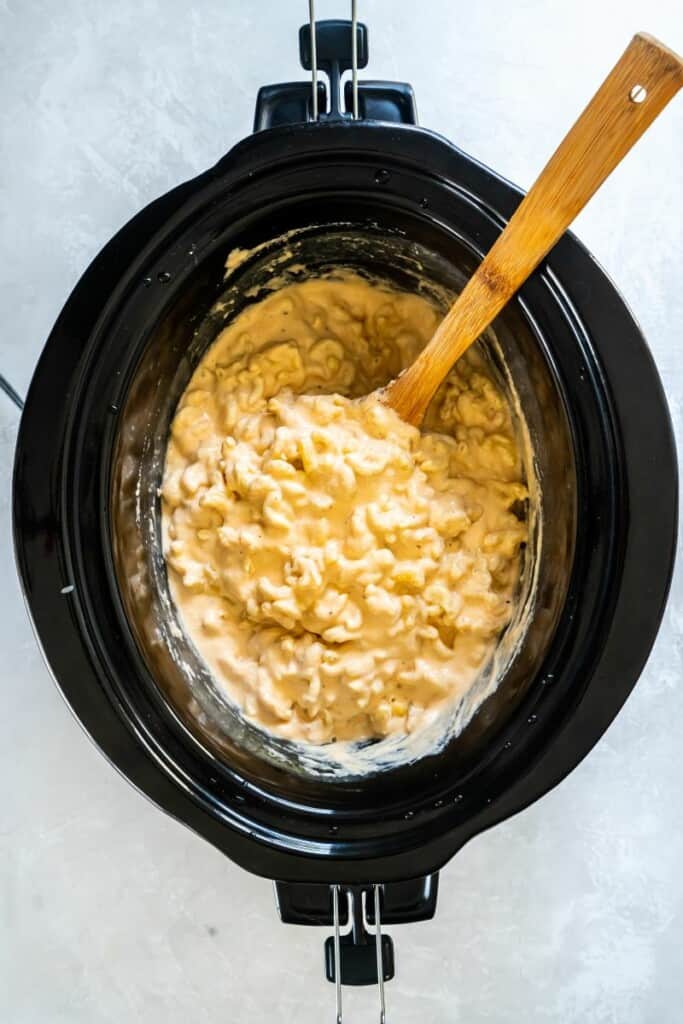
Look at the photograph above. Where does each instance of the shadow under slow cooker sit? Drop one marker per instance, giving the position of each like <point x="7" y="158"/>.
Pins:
<point x="436" y="264"/>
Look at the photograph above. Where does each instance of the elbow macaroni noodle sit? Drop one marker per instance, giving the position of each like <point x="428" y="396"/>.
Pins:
<point x="344" y="575"/>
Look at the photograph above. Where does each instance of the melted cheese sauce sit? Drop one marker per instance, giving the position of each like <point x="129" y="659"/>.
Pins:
<point x="344" y="575"/>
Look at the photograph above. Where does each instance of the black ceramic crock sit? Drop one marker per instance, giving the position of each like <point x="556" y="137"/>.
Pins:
<point x="102" y="397"/>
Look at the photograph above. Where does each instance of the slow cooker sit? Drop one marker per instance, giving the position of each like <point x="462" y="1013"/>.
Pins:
<point x="338" y="176"/>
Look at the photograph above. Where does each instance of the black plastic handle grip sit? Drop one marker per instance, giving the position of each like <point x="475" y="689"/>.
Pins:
<point x="291" y="102"/>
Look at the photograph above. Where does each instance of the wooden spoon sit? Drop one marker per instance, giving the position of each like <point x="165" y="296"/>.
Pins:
<point x="640" y="85"/>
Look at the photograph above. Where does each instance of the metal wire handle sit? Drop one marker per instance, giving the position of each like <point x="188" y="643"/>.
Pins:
<point x="354" y="71"/>
<point x="378" y="953"/>
<point x="11" y="393"/>
<point x="337" y="945"/>
<point x="314" y="58"/>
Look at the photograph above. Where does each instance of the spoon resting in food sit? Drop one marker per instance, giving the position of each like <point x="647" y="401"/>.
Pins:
<point x="643" y="81"/>
<point x="346" y="575"/>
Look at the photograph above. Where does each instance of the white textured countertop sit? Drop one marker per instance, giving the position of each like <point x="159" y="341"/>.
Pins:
<point x="572" y="912"/>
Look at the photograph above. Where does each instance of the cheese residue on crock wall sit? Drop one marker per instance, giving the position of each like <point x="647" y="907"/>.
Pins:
<point x="344" y="575"/>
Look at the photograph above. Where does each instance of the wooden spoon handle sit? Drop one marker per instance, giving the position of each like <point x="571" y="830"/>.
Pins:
<point x="640" y="85"/>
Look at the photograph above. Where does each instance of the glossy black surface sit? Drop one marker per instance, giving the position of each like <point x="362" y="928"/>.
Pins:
<point x="145" y="281"/>
<point x="359" y="959"/>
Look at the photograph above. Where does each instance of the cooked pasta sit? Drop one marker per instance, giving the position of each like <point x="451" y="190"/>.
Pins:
<point x="344" y="575"/>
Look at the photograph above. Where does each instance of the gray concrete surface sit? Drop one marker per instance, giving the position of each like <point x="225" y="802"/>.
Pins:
<point x="573" y="911"/>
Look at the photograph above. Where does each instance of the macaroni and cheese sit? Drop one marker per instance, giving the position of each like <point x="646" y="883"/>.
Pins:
<point x="344" y="575"/>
